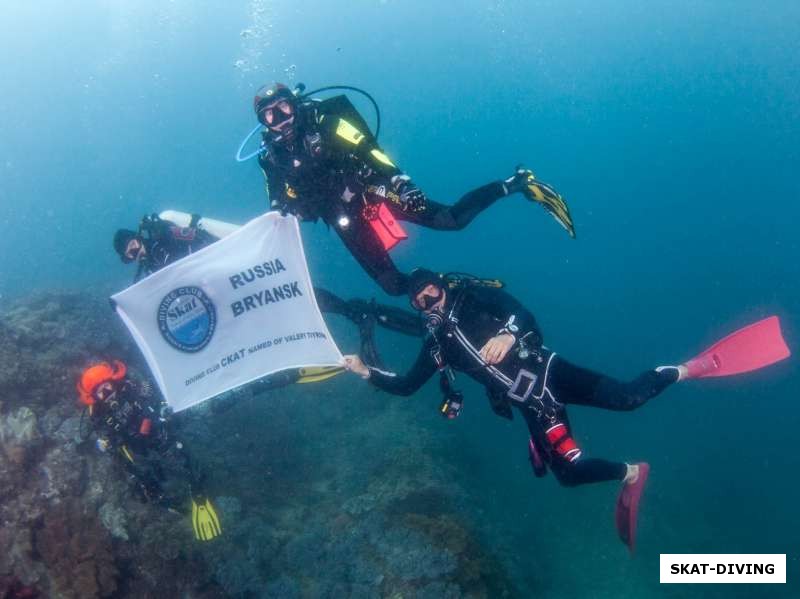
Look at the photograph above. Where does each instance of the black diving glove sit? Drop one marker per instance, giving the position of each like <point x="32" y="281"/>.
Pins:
<point x="517" y="183"/>
<point x="411" y="197"/>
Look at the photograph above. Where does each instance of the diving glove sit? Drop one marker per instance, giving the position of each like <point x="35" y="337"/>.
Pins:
<point x="204" y="519"/>
<point x="411" y="197"/>
<point x="525" y="182"/>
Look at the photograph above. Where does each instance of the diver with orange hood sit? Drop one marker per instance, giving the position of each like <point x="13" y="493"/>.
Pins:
<point x="133" y="423"/>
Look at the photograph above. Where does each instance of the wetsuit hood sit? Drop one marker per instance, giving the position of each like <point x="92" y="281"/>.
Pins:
<point x="421" y="278"/>
<point x="97" y="374"/>
<point x="268" y="94"/>
<point x="287" y="129"/>
<point x="121" y="240"/>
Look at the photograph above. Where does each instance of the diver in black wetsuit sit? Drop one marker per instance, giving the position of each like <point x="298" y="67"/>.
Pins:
<point x="486" y="333"/>
<point x="159" y="242"/>
<point x="322" y="161"/>
<point x="134" y="424"/>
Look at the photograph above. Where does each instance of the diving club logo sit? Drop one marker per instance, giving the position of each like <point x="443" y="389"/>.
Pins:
<point x="187" y="319"/>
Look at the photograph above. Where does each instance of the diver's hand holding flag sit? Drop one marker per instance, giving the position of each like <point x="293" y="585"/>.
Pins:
<point x="238" y="310"/>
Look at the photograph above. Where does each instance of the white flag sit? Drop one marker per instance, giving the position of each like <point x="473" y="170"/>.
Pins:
<point x="235" y="311"/>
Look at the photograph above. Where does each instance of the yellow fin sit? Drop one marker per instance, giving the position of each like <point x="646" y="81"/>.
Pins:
<point x="205" y="521"/>
<point x="318" y="373"/>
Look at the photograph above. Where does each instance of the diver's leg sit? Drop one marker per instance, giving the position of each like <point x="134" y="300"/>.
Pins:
<point x="392" y="318"/>
<point x="564" y="457"/>
<point x="368" y="251"/>
<point x="330" y="302"/>
<point x="586" y="471"/>
<point x="147" y="478"/>
<point x="451" y="218"/>
<point x="571" y="384"/>
<point x="399" y="320"/>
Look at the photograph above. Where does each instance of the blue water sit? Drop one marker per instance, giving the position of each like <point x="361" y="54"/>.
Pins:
<point x="672" y="129"/>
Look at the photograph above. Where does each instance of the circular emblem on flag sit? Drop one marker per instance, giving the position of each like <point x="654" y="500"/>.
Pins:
<point x="187" y="319"/>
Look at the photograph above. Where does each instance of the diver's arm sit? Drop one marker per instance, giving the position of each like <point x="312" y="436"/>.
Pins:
<point x="422" y="370"/>
<point x="517" y="320"/>
<point x="275" y="186"/>
<point x="330" y="302"/>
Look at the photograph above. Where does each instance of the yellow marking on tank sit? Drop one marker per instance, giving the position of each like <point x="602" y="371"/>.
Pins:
<point x="349" y="133"/>
<point x="381" y="157"/>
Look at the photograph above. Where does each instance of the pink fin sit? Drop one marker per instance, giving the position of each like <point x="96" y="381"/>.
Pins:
<point x="627" y="511"/>
<point x="750" y="348"/>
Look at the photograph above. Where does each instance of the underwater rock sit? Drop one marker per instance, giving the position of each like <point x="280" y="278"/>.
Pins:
<point x="165" y="538"/>
<point x="238" y="578"/>
<point x="303" y="514"/>
<point x="230" y="506"/>
<point x="439" y="590"/>
<point x="307" y="549"/>
<point x="78" y="553"/>
<point x="61" y="474"/>
<point x="46" y="338"/>
<point x="12" y="587"/>
<point x="365" y="571"/>
<point x="61" y="503"/>
<point x="114" y="520"/>
<point x="359" y="504"/>
<point x="282" y="588"/>
<point x="410" y="556"/>
<point x="69" y="431"/>
<point x="19" y="427"/>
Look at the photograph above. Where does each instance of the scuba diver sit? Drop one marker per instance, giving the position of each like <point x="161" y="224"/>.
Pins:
<point x="477" y="328"/>
<point x="160" y="241"/>
<point x="130" y="421"/>
<point x="321" y="160"/>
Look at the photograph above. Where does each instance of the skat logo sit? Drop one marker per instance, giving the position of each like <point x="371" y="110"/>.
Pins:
<point x="187" y="319"/>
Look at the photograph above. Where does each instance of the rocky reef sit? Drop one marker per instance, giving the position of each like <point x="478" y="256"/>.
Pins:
<point x="323" y="491"/>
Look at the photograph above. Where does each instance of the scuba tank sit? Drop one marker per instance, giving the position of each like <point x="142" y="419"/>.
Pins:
<point x="214" y="227"/>
<point x="459" y="280"/>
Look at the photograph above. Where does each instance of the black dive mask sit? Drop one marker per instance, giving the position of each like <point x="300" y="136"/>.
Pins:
<point x="428" y="301"/>
<point x="133" y="251"/>
<point x="280" y="120"/>
<point x="276" y="114"/>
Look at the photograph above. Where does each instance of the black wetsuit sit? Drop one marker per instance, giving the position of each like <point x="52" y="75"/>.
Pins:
<point x="334" y="168"/>
<point x="531" y="377"/>
<point x="165" y="242"/>
<point x="134" y="425"/>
